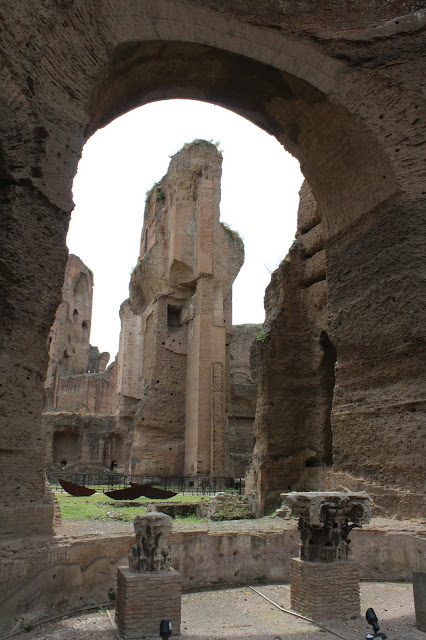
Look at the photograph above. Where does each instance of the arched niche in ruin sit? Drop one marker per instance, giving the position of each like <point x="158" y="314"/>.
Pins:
<point x="81" y="289"/>
<point x="325" y="112"/>
<point x="113" y="452"/>
<point x="65" y="447"/>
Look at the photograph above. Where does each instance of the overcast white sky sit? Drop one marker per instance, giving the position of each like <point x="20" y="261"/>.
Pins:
<point x="121" y="162"/>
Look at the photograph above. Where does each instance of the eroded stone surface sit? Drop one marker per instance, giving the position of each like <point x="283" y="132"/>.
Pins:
<point x="181" y="288"/>
<point x="181" y="378"/>
<point x="293" y="362"/>
<point x="150" y="552"/>
<point x="325" y="521"/>
<point x="340" y="88"/>
<point x="332" y="382"/>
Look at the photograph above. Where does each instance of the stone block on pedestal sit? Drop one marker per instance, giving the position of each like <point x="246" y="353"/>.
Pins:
<point x="324" y="584"/>
<point x="149" y="591"/>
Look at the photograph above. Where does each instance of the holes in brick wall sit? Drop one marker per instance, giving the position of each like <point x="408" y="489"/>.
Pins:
<point x="313" y="462"/>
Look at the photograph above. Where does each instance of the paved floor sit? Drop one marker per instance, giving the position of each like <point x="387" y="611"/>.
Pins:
<point x="241" y="613"/>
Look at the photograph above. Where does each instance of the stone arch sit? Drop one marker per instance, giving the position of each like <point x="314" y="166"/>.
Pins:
<point x="343" y="162"/>
<point x="341" y="119"/>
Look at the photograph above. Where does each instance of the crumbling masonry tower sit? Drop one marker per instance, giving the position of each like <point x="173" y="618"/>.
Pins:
<point x="180" y="311"/>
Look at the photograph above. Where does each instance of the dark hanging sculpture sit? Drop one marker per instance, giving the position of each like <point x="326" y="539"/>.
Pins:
<point x="138" y="490"/>
<point x="76" y="490"/>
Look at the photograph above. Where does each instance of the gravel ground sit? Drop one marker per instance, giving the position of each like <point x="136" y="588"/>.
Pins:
<point x="243" y="614"/>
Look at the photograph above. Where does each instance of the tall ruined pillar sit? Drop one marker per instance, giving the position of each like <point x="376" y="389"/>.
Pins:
<point x="181" y="288"/>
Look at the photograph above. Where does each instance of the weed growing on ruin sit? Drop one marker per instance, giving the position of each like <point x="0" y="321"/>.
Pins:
<point x="262" y="335"/>
<point x="233" y="233"/>
<point x="149" y="192"/>
<point x="206" y="143"/>
<point x="190" y="519"/>
<point x="160" y="194"/>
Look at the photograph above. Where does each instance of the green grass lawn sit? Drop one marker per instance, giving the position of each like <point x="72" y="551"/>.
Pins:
<point x="100" y="507"/>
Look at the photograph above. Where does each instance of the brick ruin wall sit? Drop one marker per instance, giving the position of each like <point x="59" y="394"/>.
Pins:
<point x="340" y="89"/>
<point x="304" y="437"/>
<point x="132" y="416"/>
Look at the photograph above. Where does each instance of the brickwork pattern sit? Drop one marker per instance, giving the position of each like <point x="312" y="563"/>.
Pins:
<point x="322" y="590"/>
<point x="144" y="599"/>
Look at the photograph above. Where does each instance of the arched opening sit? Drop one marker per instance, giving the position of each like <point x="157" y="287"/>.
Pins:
<point x="297" y="113"/>
<point x="85" y="325"/>
<point x="310" y="101"/>
<point x="65" y="448"/>
<point x="342" y="95"/>
<point x="81" y="289"/>
<point x="237" y="193"/>
<point x="113" y="452"/>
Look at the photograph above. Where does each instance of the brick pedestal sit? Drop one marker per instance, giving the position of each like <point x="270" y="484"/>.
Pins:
<point x="321" y="590"/>
<point x="144" y="599"/>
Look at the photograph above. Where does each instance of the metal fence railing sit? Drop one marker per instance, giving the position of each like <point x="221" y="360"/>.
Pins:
<point x="180" y="484"/>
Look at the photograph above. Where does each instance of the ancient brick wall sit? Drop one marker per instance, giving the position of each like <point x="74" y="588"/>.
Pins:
<point x="77" y="384"/>
<point x="69" y="337"/>
<point x="341" y="89"/>
<point x="181" y="290"/>
<point x="293" y="365"/>
<point x="176" y="346"/>
<point x="323" y="591"/>
<point x="305" y="411"/>
<point x="85" y="443"/>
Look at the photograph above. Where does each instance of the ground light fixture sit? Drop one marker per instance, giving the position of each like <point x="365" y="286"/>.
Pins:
<point x="166" y="629"/>
<point x="372" y="620"/>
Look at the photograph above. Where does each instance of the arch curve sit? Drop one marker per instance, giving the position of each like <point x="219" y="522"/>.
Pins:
<point x="347" y="169"/>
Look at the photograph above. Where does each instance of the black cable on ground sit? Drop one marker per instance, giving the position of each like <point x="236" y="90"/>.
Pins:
<point x="298" y="615"/>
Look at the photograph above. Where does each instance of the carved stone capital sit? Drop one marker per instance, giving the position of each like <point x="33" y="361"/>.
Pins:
<point x="325" y="521"/>
<point x="150" y="552"/>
